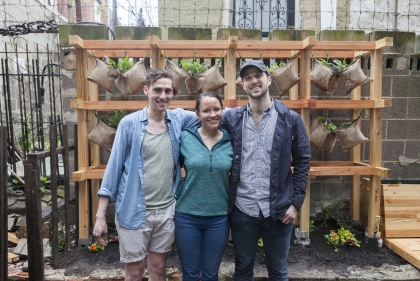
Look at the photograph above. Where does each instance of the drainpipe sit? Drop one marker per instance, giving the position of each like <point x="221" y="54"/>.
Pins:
<point x="395" y="14"/>
<point x="69" y="11"/>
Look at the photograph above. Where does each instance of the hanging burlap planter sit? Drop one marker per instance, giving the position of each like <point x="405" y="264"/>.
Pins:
<point x="318" y="133"/>
<point x="178" y="75"/>
<point x="132" y="80"/>
<point x="193" y="85"/>
<point x="103" y="135"/>
<point x="211" y="80"/>
<point x="285" y="78"/>
<point x="103" y="75"/>
<point x="323" y="78"/>
<point x="330" y="141"/>
<point x="353" y="76"/>
<point x="350" y="136"/>
<point x="239" y="82"/>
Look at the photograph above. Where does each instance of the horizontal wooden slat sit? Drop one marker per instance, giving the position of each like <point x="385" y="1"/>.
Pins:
<point x="116" y="45"/>
<point x="137" y="105"/>
<point x="120" y="53"/>
<point x="352" y="104"/>
<point x="193" y="45"/>
<point x="269" y="45"/>
<point x="345" y="45"/>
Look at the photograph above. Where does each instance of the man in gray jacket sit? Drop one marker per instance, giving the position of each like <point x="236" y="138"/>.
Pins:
<point x="264" y="194"/>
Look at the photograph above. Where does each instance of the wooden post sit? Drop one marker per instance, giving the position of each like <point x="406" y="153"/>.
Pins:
<point x="94" y="148"/>
<point x="157" y="61"/>
<point x="3" y="204"/>
<point x="230" y="68"/>
<point x="356" y="94"/>
<point x="34" y="220"/>
<point x="305" y="93"/>
<point x="82" y="138"/>
<point x="375" y="139"/>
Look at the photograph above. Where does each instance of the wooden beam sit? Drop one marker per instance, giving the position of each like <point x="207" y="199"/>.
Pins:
<point x="76" y="41"/>
<point x="269" y="45"/>
<point x="120" y="53"/>
<point x="193" y="45"/>
<point x="309" y="42"/>
<point x="345" y="45"/>
<point x="384" y="43"/>
<point x="116" y="45"/>
<point x="351" y="104"/>
<point x="255" y="54"/>
<point x="333" y="54"/>
<point x="230" y="68"/>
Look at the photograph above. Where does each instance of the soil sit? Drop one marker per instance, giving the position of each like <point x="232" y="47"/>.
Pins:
<point x="317" y="255"/>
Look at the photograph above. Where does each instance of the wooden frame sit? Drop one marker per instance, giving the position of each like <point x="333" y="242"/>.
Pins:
<point x="304" y="50"/>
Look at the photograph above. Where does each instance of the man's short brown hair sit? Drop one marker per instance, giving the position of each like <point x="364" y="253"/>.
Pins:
<point x="156" y="74"/>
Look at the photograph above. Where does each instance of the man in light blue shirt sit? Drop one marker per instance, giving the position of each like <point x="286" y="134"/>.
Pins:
<point x="142" y="175"/>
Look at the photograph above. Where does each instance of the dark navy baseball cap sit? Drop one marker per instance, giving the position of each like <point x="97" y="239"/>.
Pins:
<point x="256" y="63"/>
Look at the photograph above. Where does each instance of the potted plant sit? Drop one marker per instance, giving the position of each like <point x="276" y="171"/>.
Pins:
<point x="132" y="75"/>
<point x="178" y="75"/>
<point x="192" y="67"/>
<point x="350" y="134"/>
<point x="103" y="74"/>
<point x="211" y="80"/>
<point x="331" y="138"/>
<point x="351" y="74"/>
<point x="104" y="134"/>
<point x="283" y="76"/>
<point x="318" y="132"/>
<point x="324" y="75"/>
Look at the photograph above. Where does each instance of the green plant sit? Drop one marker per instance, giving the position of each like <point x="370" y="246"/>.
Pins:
<point x="330" y="126"/>
<point x="95" y="247"/>
<point x="114" y="120"/>
<point x="15" y="184"/>
<point x="123" y="65"/>
<point x="343" y="236"/>
<point x="260" y="243"/>
<point x="311" y="226"/>
<point x="62" y="245"/>
<point x="340" y="64"/>
<point x="44" y="183"/>
<point x="275" y="65"/>
<point x="192" y="67"/>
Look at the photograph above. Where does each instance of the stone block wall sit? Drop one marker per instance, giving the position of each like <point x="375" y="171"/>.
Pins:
<point x="401" y="83"/>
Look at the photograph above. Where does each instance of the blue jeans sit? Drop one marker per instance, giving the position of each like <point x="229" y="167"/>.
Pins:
<point x="276" y="237"/>
<point x="201" y="242"/>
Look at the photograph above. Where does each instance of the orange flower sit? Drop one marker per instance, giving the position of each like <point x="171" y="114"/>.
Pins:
<point x="332" y="230"/>
<point x="93" y="247"/>
<point x="334" y="237"/>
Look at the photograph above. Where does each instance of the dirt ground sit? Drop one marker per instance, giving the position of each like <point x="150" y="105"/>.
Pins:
<point x="317" y="255"/>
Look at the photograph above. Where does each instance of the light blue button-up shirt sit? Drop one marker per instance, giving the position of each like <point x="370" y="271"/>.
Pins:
<point x="123" y="178"/>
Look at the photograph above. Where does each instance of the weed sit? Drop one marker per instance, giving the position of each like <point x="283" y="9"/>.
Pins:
<point x="114" y="120"/>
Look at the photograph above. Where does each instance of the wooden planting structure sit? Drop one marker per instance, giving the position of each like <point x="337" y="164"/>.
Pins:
<point x="90" y="168"/>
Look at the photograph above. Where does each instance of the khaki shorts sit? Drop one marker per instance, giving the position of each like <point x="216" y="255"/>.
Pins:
<point x="157" y="236"/>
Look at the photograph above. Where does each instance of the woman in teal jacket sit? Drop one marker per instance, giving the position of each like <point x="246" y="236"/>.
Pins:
<point x="201" y="221"/>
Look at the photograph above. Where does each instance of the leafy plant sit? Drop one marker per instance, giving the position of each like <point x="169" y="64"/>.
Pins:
<point x="62" y="245"/>
<point x="330" y="126"/>
<point x="114" y="120"/>
<point x="260" y="243"/>
<point x="343" y="236"/>
<point x="15" y="184"/>
<point x="341" y="64"/>
<point x="44" y="183"/>
<point x="95" y="247"/>
<point x="311" y="226"/>
<point x="275" y="65"/>
<point x="123" y="65"/>
<point x="192" y="67"/>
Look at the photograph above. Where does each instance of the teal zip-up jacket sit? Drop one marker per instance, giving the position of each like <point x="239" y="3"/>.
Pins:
<point x="205" y="190"/>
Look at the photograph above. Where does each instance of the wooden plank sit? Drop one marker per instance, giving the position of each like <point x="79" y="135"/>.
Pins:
<point x="12" y="258"/>
<point x="269" y="45"/>
<point x="186" y="54"/>
<point x="400" y="247"/>
<point x="255" y="54"/>
<point x="345" y="45"/>
<point x="230" y="68"/>
<point x="351" y="104"/>
<point x="11" y="237"/>
<point x="76" y="41"/>
<point x="185" y="104"/>
<point x="120" y="53"/>
<point x="309" y="42"/>
<point x="116" y="45"/>
<point x="384" y="43"/>
<point x="156" y="55"/>
<point x="333" y="54"/>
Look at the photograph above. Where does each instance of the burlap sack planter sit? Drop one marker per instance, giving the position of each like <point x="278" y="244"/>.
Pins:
<point x="103" y="135"/>
<point x="350" y="136"/>
<point x="132" y="80"/>
<point x="103" y="75"/>
<point x="211" y="80"/>
<point x="329" y="142"/>
<point x="318" y="133"/>
<point x="178" y="75"/>
<point x="323" y="78"/>
<point x="239" y="82"/>
<point x="285" y="78"/>
<point x="353" y="76"/>
<point x="193" y="85"/>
